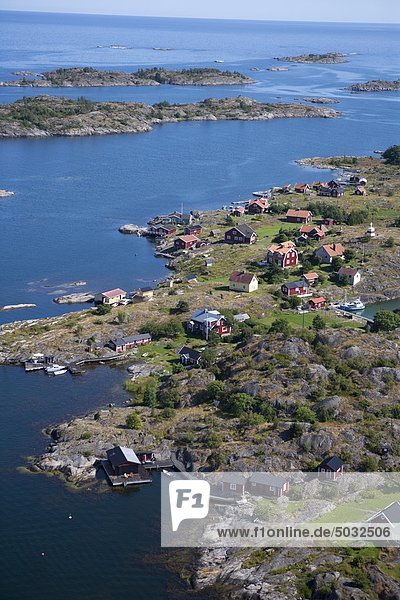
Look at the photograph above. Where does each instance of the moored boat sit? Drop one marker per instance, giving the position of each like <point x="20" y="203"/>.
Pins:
<point x="55" y="369"/>
<point x="353" y="306"/>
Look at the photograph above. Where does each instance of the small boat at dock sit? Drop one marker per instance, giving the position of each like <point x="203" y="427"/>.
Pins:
<point x="354" y="306"/>
<point x="55" y="369"/>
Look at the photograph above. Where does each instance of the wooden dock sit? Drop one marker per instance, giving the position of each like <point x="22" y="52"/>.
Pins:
<point x="120" y="480"/>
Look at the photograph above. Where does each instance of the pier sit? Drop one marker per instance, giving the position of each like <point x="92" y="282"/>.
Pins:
<point x="352" y="316"/>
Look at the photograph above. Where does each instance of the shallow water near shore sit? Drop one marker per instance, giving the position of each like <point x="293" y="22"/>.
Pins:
<point x="71" y="195"/>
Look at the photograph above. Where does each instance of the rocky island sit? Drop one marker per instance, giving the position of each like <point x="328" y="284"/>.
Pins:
<point x="90" y="77"/>
<point x="45" y="116"/>
<point x="329" y="58"/>
<point x="375" y="85"/>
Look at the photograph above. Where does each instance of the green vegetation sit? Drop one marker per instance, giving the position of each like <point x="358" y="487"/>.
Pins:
<point x="133" y="421"/>
<point x="392" y="155"/>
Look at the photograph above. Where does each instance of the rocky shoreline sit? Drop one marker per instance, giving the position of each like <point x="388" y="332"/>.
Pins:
<point x="89" y="77"/>
<point x="45" y="116"/>
<point x="329" y="58"/>
<point x="375" y="85"/>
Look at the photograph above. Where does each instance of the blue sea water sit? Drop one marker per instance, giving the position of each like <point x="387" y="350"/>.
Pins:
<point x="72" y="194"/>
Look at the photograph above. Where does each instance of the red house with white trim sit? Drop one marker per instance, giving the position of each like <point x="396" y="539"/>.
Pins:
<point x="296" y="215"/>
<point x="331" y="468"/>
<point x="184" y="242"/>
<point x="283" y="255"/>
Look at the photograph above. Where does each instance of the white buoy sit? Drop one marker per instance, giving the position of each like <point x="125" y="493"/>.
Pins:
<point x="69" y="516"/>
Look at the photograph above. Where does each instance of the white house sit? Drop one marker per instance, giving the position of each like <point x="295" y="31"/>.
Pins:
<point x="350" y="275"/>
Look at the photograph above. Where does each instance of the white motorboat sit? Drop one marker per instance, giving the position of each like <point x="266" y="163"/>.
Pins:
<point x="55" y="369"/>
<point x="353" y="306"/>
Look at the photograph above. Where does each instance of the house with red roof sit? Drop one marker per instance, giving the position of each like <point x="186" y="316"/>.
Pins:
<point x="317" y="303"/>
<point x="258" y="206"/>
<point x="240" y="281"/>
<point x="296" y="215"/>
<point x="302" y="188"/>
<point x="283" y="255"/>
<point x="111" y="297"/>
<point x="328" y="252"/>
<point x="184" y="242"/>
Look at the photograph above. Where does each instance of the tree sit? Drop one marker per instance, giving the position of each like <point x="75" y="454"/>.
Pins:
<point x="238" y="404"/>
<point x="303" y="413"/>
<point x="318" y="323"/>
<point x="103" y="309"/>
<point x="215" y="391"/>
<point x="386" y="320"/>
<point x="294" y="301"/>
<point x="150" y="394"/>
<point x="273" y="274"/>
<point x="336" y="263"/>
<point x="392" y="155"/>
<point x="349" y="254"/>
<point x="208" y="357"/>
<point x="133" y="421"/>
<point x="280" y="326"/>
<point x="182" y="307"/>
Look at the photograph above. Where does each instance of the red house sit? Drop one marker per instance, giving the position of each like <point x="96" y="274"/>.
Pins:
<point x="331" y="468"/>
<point x="268" y="485"/>
<point x="233" y="484"/>
<point x="283" y="255"/>
<point x="296" y="288"/>
<point x="302" y="188"/>
<point x="238" y="211"/>
<point x="296" y="215"/>
<point x="241" y="234"/>
<point x="258" y="206"/>
<point x="317" y="303"/>
<point x="311" y="278"/>
<point x="192" y="230"/>
<point x="123" y="344"/>
<point x="205" y="321"/>
<point x="162" y="230"/>
<point x="185" y="241"/>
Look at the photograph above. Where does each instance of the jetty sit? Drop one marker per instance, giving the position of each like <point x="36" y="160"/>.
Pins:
<point x="351" y="315"/>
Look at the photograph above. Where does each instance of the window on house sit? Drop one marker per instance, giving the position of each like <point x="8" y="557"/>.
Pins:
<point x="232" y="486"/>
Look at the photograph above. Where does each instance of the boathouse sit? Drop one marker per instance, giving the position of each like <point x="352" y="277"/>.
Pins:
<point x="126" y="343"/>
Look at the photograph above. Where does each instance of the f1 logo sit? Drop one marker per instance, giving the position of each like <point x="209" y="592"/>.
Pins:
<point x="189" y="499"/>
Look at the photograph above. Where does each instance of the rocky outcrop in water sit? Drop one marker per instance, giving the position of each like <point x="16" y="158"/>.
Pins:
<point x="45" y="116"/>
<point x="375" y="85"/>
<point x="90" y="77"/>
<point x="329" y="58"/>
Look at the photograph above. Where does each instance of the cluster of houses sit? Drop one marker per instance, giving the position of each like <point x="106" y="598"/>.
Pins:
<point x="271" y="485"/>
<point x="331" y="189"/>
<point x="118" y="297"/>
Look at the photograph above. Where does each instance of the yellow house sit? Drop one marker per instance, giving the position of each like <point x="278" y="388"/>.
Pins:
<point x="145" y="293"/>
<point x="111" y="297"/>
<point x="240" y="281"/>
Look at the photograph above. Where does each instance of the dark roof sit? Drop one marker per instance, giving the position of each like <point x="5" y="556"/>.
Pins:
<point x="131" y="339"/>
<point x="244" y="229"/>
<point x="300" y="283"/>
<point x="333" y="462"/>
<point x="241" y="277"/>
<point x="190" y="352"/>
<point x="233" y="477"/>
<point x="391" y="512"/>
<point x="121" y="455"/>
<point x="268" y="479"/>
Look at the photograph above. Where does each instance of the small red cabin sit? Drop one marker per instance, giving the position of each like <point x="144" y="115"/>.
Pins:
<point x="331" y="468"/>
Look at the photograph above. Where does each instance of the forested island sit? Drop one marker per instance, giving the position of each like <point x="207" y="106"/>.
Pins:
<point x="90" y="77"/>
<point x="44" y="116"/>
<point x="375" y="85"/>
<point x="329" y="58"/>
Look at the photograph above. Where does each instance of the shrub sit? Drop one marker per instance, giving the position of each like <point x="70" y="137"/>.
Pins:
<point x="213" y="439"/>
<point x="318" y="323"/>
<point x="303" y="413"/>
<point x="392" y="155"/>
<point x="237" y="404"/>
<point x="102" y="309"/>
<point x="386" y="320"/>
<point x="133" y="421"/>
